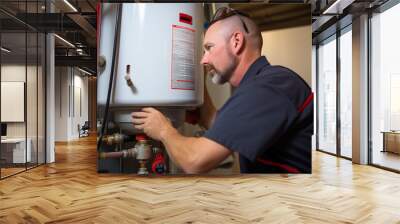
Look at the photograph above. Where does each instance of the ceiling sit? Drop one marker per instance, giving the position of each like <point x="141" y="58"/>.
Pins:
<point x="327" y="22"/>
<point x="76" y="24"/>
<point x="276" y="16"/>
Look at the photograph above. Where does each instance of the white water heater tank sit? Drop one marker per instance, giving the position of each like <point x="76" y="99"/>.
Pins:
<point x="159" y="51"/>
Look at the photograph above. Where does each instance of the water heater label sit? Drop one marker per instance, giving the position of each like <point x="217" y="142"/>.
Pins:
<point x="183" y="58"/>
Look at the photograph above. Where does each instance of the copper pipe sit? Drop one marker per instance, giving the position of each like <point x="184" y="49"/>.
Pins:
<point x="127" y="153"/>
<point x="104" y="155"/>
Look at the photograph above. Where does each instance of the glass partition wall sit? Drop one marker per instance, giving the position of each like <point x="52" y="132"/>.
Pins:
<point x="345" y="93"/>
<point x="334" y="83"/>
<point x="22" y="77"/>
<point x="327" y="95"/>
<point x="385" y="89"/>
<point x="334" y="91"/>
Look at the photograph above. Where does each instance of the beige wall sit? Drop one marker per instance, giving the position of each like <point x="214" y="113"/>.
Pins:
<point x="291" y="48"/>
<point x="360" y="90"/>
<point x="71" y="96"/>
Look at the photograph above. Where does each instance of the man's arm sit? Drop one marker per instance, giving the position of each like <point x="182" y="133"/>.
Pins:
<point x="193" y="155"/>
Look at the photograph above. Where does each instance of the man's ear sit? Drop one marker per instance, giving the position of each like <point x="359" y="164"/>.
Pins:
<point x="237" y="42"/>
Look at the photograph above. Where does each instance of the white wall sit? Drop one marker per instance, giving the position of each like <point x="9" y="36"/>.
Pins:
<point x="291" y="48"/>
<point x="15" y="72"/>
<point x="61" y="103"/>
<point x="81" y="104"/>
<point x="34" y="125"/>
<point x="71" y="103"/>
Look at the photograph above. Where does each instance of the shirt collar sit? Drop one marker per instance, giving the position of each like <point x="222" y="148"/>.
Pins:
<point x="255" y="68"/>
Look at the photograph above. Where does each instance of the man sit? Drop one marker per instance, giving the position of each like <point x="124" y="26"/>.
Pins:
<point x="268" y="120"/>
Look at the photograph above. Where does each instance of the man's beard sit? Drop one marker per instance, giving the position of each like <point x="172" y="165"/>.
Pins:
<point x="217" y="78"/>
<point x="222" y="77"/>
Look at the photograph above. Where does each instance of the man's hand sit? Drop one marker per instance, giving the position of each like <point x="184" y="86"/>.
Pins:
<point x="193" y="155"/>
<point x="153" y="123"/>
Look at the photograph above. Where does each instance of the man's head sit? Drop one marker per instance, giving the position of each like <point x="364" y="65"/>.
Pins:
<point x="231" y="44"/>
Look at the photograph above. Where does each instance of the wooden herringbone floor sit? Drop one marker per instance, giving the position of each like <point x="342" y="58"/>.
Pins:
<point x="70" y="191"/>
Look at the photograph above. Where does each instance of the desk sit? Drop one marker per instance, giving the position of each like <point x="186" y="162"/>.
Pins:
<point x="391" y="141"/>
<point x="15" y="148"/>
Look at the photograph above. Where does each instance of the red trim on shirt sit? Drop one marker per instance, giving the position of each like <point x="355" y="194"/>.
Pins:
<point x="288" y="168"/>
<point x="306" y="103"/>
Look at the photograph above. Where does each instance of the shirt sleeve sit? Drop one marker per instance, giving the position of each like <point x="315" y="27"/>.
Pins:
<point x="252" y="120"/>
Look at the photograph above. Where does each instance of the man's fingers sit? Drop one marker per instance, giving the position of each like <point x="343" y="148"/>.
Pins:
<point x="139" y="127"/>
<point x="138" y="121"/>
<point x="139" y="114"/>
<point x="149" y="109"/>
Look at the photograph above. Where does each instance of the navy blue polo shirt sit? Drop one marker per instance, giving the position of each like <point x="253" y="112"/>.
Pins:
<point x="268" y="120"/>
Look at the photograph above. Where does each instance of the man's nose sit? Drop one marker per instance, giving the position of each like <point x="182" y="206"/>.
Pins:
<point x="204" y="60"/>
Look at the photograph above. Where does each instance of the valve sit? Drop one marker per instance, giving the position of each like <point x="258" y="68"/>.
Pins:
<point x="128" y="76"/>
<point x="142" y="152"/>
<point x="101" y="61"/>
<point x="114" y="139"/>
